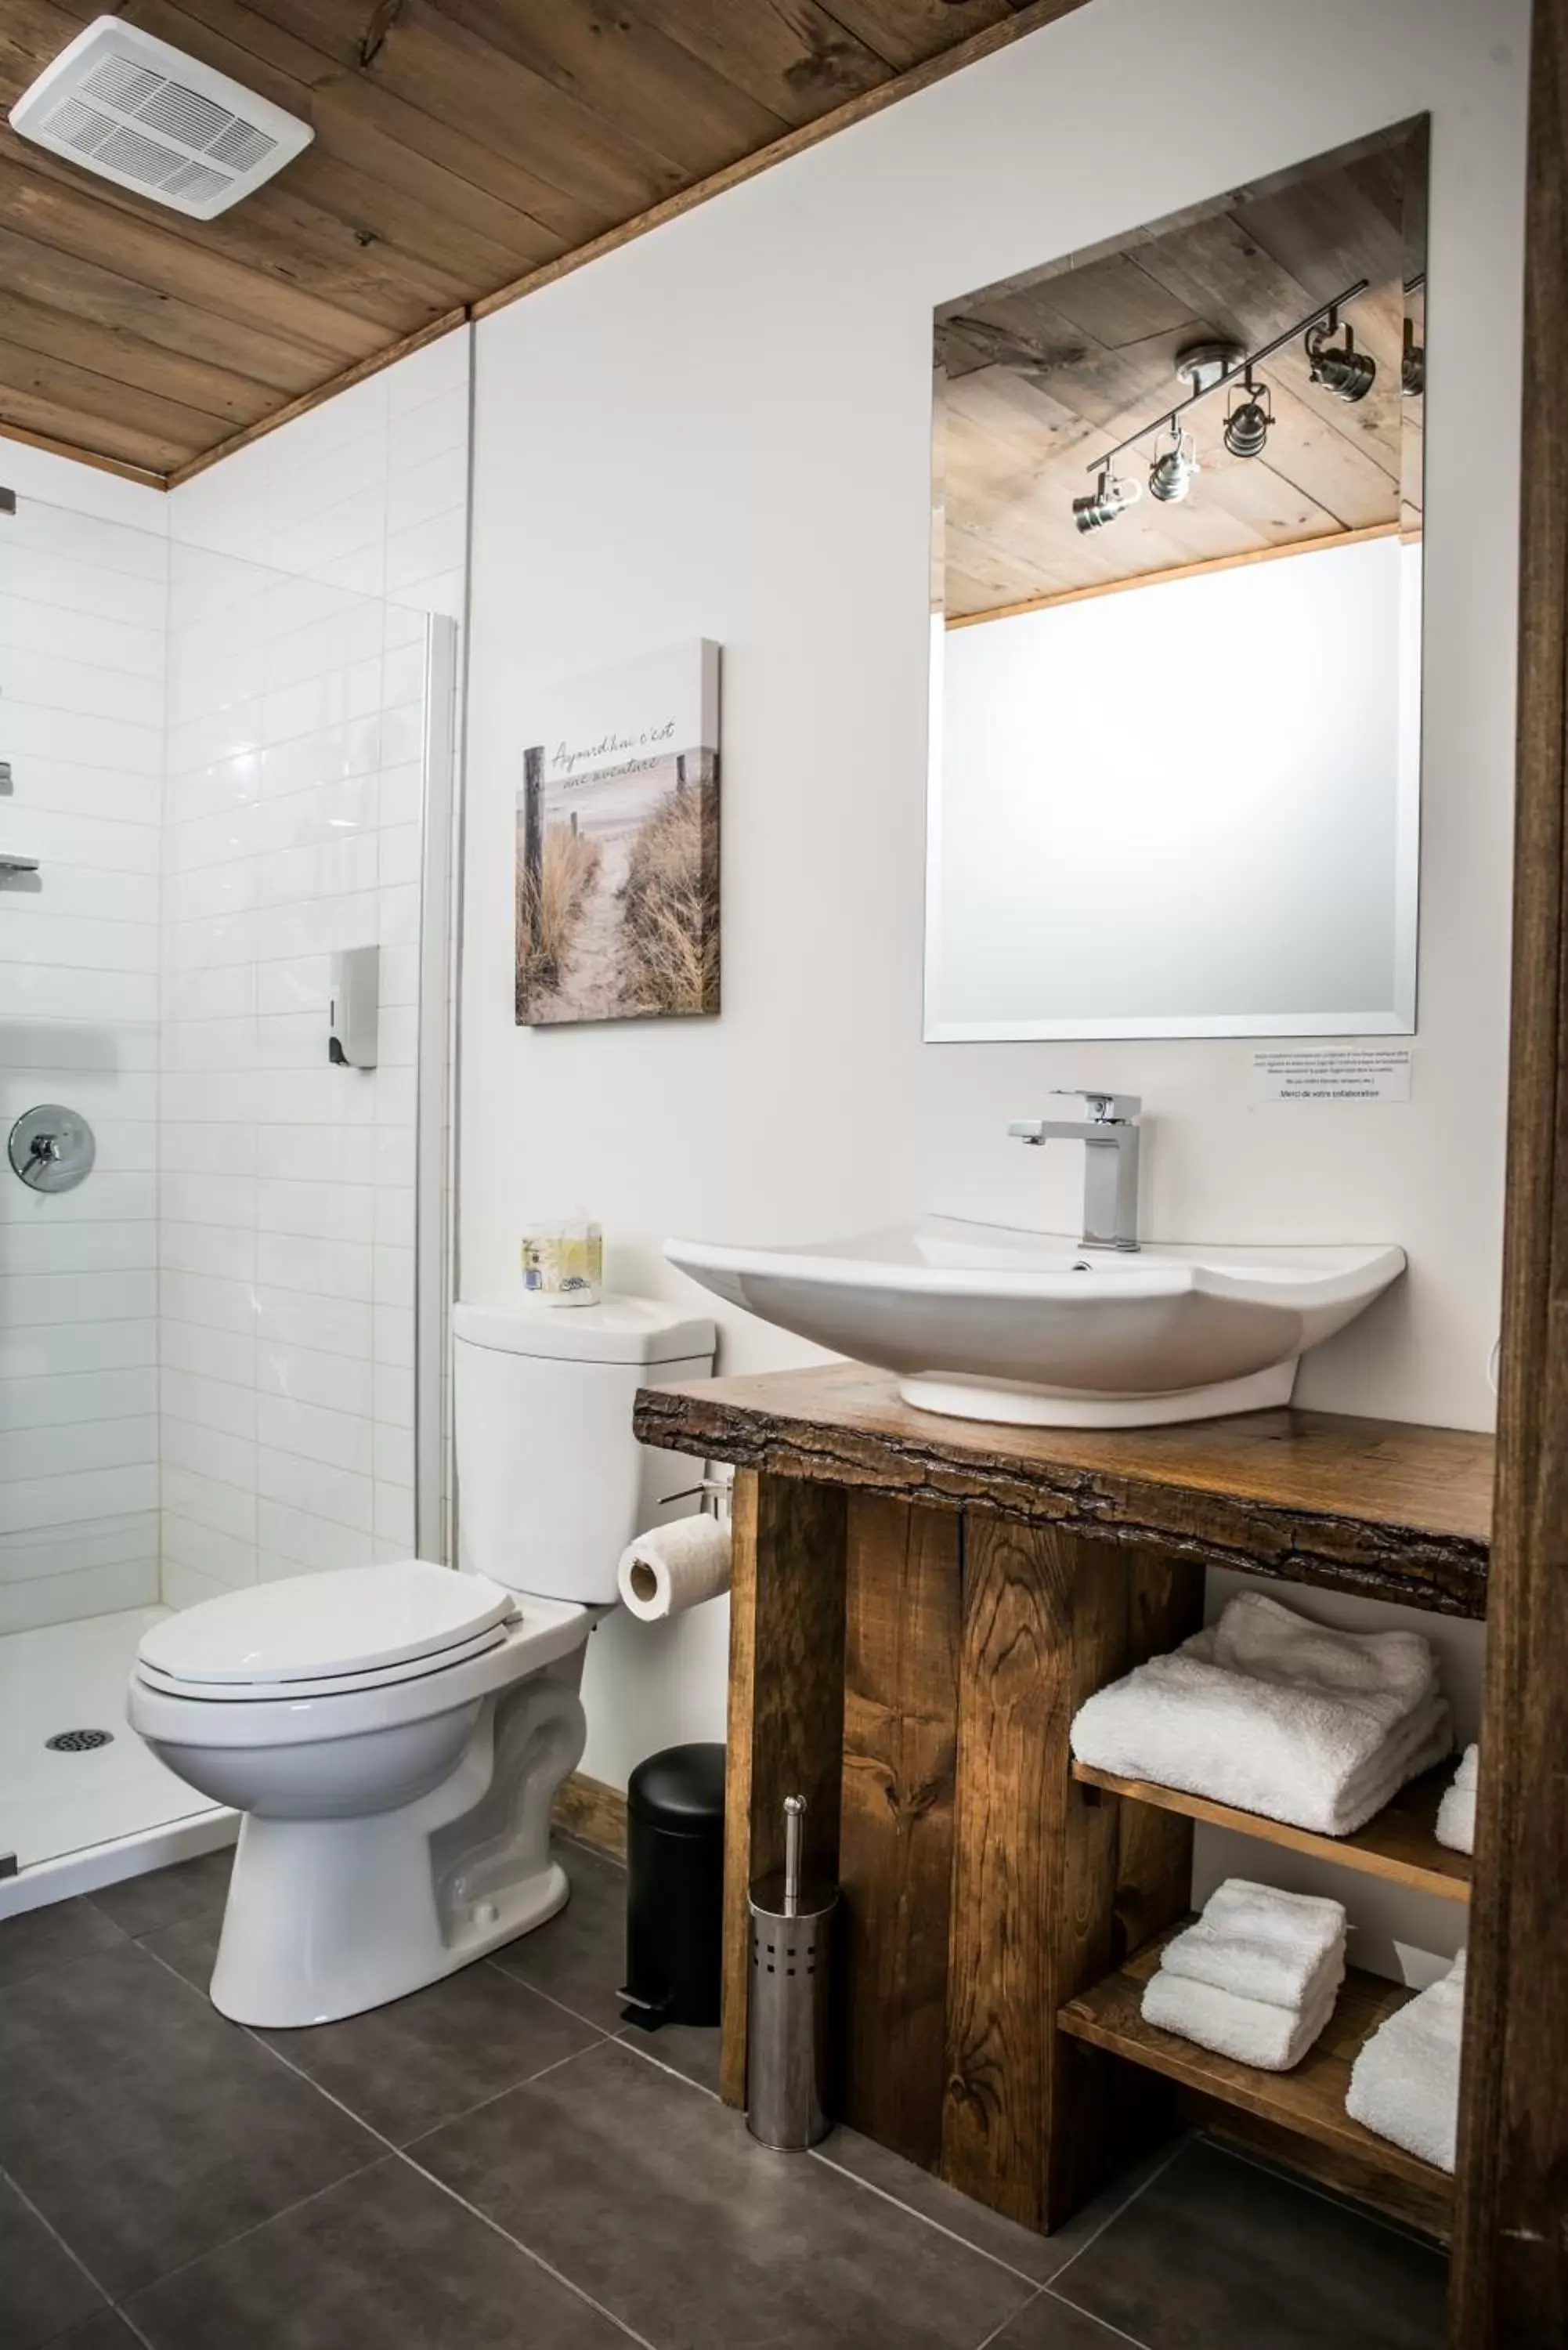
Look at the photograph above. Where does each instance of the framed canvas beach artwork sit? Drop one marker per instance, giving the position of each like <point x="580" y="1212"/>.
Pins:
<point x="618" y="843"/>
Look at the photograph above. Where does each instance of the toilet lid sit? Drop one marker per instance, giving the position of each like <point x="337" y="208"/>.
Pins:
<point x="357" y="1619"/>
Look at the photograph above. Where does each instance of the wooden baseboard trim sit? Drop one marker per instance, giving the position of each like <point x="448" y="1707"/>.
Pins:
<point x="596" y="1815"/>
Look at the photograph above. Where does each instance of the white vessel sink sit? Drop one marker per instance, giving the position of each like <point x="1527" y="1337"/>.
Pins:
<point x="993" y="1324"/>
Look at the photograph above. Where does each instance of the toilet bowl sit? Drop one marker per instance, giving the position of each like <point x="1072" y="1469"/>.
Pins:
<point x="394" y="1735"/>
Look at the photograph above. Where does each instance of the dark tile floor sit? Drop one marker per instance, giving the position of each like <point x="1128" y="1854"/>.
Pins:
<point x="499" y="2161"/>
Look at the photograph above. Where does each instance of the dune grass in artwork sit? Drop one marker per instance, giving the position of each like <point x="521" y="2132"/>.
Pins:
<point x="550" y="907"/>
<point x="669" y="945"/>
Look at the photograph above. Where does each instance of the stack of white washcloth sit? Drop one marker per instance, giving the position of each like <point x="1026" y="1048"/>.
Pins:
<point x="1405" y="2084"/>
<point x="1456" y="1812"/>
<point x="1275" y="1714"/>
<point x="1255" y="1978"/>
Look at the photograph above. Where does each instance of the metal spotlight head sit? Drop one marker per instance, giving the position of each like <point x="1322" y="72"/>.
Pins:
<point x="1109" y="497"/>
<point x="1344" y="371"/>
<point x="1247" y="423"/>
<point x="1412" y="364"/>
<point x="1170" y="477"/>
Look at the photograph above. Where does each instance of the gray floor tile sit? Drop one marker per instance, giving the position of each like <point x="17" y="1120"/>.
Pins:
<point x="1039" y="2257"/>
<point x="1050" y="2323"/>
<point x="1220" y="2250"/>
<point x="190" y="1947"/>
<point x="42" y="1940"/>
<point x="579" y="1957"/>
<point x="42" y="2290"/>
<point x="384" y="2261"/>
<point x="653" y="2199"/>
<point x="144" y="2127"/>
<point x="192" y="1888"/>
<point x="407" y="2067"/>
<point x="691" y="2049"/>
<point x="106" y="2331"/>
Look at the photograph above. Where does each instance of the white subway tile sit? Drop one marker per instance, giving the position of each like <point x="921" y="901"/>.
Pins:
<point x="28" y="625"/>
<point x="344" y="1154"/>
<point x="393" y="1337"/>
<point x="62" y="1297"/>
<point x="207" y="1149"/>
<point x="207" y="1354"/>
<point x="67" y="1449"/>
<point x="78" y="1544"/>
<point x="88" y="1492"/>
<point x="209" y="1452"/>
<point x="207" y="1402"/>
<point x="325" y="1268"/>
<point x="77" y="1396"/>
<point x="301" y="1540"/>
<point x="230" y="1509"/>
<point x="394" y="1516"/>
<point x="67" y="1597"/>
<point x="393" y="1395"/>
<point x="393" y="1454"/>
<point x="325" y="1491"/>
<point x="336" y="1326"/>
<point x="213" y="1304"/>
<point x="339" y="1439"/>
<point x="48" y="1247"/>
<point x="332" y="1212"/>
<point x="201" y="1551"/>
<point x="182" y="1586"/>
<point x="111" y="1198"/>
<point x="217" y="1251"/>
<point x="306" y="1374"/>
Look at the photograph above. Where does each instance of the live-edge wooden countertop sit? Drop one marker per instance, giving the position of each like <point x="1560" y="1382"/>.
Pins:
<point x="1386" y="1508"/>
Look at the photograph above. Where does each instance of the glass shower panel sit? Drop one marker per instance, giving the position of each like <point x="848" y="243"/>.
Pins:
<point x="300" y="734"/>
<point x="215" y="1349"/>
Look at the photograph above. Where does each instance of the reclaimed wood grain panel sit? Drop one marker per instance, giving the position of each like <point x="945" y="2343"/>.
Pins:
<point x="1511" y="2251"/>
<point x="785" y="1710"/>
<point x="896" y="1841"/>
<point x="1034" y="1870"/>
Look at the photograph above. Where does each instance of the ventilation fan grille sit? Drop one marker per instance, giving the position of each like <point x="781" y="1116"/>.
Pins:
<point x="129" y="106"/>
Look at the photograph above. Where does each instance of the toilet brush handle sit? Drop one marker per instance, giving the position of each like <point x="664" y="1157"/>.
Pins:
<point x="794" y="1816"/>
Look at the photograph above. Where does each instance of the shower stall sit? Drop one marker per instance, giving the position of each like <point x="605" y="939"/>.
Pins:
<point x="223" y="1248"/>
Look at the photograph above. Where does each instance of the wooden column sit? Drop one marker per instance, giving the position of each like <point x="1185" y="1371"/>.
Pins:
<point x="1047" y="1619"/>
<point x="1511" y="2240"/>
<point x="896" y="1846"/>
<point x="786" y="1707"/>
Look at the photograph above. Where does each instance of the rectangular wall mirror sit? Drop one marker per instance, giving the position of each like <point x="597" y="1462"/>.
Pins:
<point x="1175" y="752"/>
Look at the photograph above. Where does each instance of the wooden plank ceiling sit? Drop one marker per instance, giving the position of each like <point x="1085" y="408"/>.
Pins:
<point x="462" y="146"/>
<point x="1037" y="377"/>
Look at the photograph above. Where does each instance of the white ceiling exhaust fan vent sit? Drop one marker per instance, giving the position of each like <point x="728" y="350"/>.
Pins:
<point x="123" y="104"/>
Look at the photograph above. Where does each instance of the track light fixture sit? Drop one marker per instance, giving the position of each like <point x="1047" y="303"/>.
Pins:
<point x="1204" y="367"/>
<point x="1110" y="496"/>
<point x="1247" y="420"/>
<point x="1412" y="363"/>
<point x="1170" y="477"/>
<point x="1345" y="372"/>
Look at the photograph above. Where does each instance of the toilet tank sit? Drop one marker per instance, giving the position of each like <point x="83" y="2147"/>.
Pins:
<point x="552" y="1484"/>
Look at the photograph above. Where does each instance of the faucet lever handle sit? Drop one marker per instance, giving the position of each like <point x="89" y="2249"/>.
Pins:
<point x="1104" y="1109"/>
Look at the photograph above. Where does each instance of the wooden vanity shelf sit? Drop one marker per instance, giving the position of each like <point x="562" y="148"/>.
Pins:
<point x="1306" y="2103"/>
<point x="1400" y="1843"/>
<point x="919" y="1607"/>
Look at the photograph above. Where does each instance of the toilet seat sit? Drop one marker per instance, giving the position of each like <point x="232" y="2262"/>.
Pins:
<point x="358" y="1627"/>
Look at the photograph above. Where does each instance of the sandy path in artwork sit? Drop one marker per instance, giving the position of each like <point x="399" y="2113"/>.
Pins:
<point x="590" y="986"/>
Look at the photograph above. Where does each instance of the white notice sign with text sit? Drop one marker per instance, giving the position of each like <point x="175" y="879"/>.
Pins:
<point x="1356" y="1073"/>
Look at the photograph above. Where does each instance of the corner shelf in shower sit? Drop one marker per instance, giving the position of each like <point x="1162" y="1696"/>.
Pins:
<point x="1307" y="2104"/>
<point x="1399" y="1845"/>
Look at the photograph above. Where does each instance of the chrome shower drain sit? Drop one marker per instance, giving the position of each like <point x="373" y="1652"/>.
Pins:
<point x="78" y="1741"/>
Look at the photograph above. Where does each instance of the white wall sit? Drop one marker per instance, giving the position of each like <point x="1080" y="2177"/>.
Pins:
<point x="82" y="570"/>
<point x="723" y="429"/>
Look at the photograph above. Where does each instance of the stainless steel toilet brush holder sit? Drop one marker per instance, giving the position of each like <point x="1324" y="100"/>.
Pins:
<point x="787" y="2018"/>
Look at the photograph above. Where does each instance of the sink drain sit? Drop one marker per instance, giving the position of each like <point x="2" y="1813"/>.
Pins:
<point x="78" y="1741"/>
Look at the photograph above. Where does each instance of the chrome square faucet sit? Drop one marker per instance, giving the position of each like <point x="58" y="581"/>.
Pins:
<point x="1110" y="1133"/>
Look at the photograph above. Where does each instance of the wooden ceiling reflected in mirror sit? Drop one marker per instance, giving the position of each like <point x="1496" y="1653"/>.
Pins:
<point x="1039" y="377"/>
<point x="463" y="149"/>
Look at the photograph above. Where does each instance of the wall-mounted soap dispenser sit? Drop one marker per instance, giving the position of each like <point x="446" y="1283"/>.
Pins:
<point x="354" y="1010"/>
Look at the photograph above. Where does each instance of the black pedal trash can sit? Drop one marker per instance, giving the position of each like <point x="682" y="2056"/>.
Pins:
<point x="675" y="1887"/>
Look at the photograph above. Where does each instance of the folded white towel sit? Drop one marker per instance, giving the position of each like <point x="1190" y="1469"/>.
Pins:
<point x="1404" y="2083"/>
<point x="1274" y="2039"/>
<point x="1293" y="1743"/>
<point x="1456" y="1812"/>
<point x="1388" y="1673"/>
<point x="1261" y="1944"/>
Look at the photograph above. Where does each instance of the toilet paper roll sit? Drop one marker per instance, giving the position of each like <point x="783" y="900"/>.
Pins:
<point x="674" y="1567"/>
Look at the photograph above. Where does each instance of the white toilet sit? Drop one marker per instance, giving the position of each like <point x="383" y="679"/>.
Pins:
<point x="395" y="1735"/>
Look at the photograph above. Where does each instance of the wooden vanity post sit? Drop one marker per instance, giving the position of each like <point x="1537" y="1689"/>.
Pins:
<point x="919" y="1607"/>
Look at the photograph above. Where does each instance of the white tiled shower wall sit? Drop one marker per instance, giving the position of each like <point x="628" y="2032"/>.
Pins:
<point x="81" y="722"/>
<point x="292" y="828"/>
<point x="273" y="1297"/>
